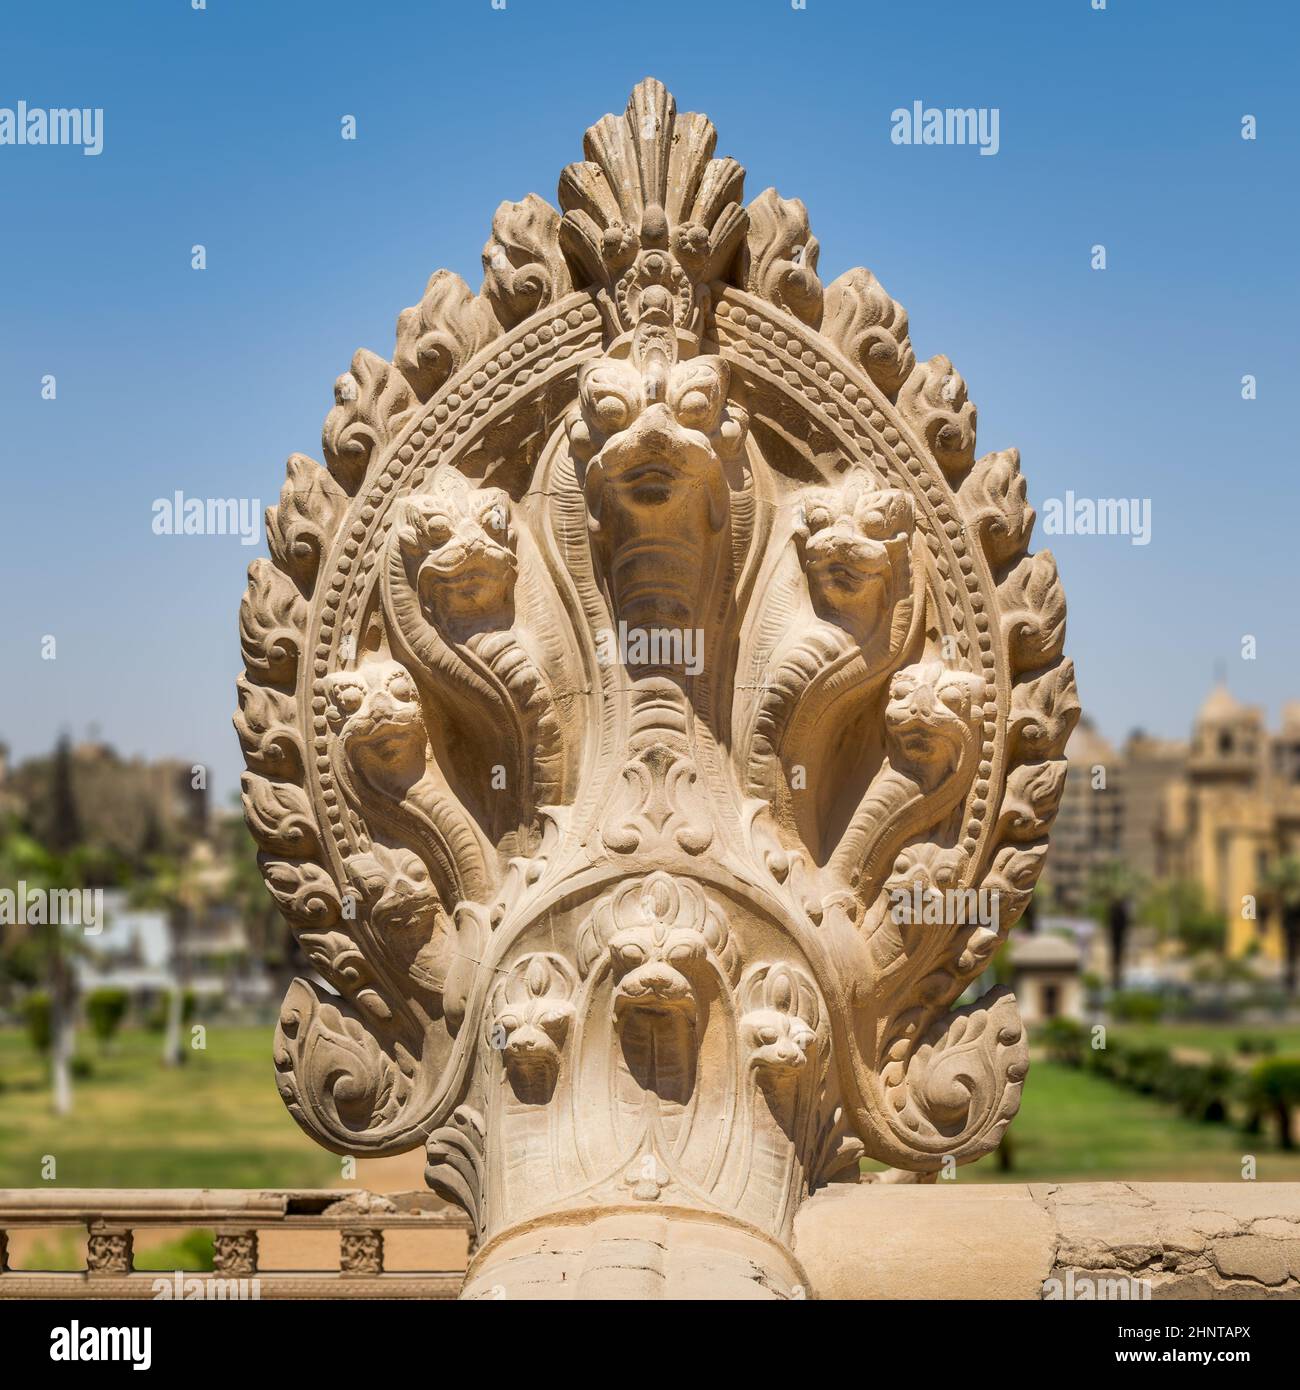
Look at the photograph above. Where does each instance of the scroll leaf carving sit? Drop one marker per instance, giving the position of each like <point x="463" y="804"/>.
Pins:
<point x="373" y="402"/>
<point x="265" y="722"/>
<point x="304" y="892"/>
<point x="456" y="1161"/>
<point x="523" y="267"/>
<point x="271" y="619"/>
<point x="336" y="1078"/>
<point x="1033" y="612"/>
<point x="1044" y="711"/>
<point x="1031" y="799"/>
<point x="934" y="399"/>
<point x="870" y="328"/>
<point x="779" y="261"/>
<point x="301" y="528"/>
<point x="994" y="499"/>
<point x="961" y="1086"/>
<point x="279" y="815"/>
<point x="438" y="336"/>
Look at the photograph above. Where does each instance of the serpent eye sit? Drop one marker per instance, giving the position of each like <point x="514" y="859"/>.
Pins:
<point x="954" y="697"/>
<point x="630" y="953"/>
<point x="695" y="409"/>
<point x="494" y="518"/>
<point x="817" y="518"/>
<point x="612" y="412"/>
<point x="347" y="697"/>
<point x="401" y="686"/>
<point x="435" y="528"/>
<point x="767" y="1035"/>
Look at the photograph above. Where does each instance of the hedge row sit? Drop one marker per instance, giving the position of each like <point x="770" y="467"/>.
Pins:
<point x="1201" y="1090"/>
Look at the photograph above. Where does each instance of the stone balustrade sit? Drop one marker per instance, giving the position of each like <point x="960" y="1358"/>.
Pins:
<point x="243" y="1222"/>
<point x="1082" y="1241"/>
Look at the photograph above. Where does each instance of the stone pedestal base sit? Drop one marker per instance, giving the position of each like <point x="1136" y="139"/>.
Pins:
<point x="634" y="1254"/>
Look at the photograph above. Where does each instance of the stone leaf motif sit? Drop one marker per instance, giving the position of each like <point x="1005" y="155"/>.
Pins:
<point x="562" y="902"/>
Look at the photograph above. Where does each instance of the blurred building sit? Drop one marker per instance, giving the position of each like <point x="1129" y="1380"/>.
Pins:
<point x="148" y="951"/>
<point x="1089" y="827"/>
<point x="1234" y="814"/>
<point x="132" y="806"/>
<point x="1217" y="812"/>
<point x="1046" y="975"/>
<point x="1149" y="768"/>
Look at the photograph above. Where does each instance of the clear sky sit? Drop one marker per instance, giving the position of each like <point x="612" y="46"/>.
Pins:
<point x="223" y="127"/>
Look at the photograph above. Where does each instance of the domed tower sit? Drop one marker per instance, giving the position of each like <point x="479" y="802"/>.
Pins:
<point x="1228" y="741"/>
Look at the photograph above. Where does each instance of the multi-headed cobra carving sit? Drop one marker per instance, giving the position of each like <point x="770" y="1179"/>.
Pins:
<point x="651" y="634"/>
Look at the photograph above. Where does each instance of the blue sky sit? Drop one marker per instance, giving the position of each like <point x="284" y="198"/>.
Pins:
<point x="222" y="127"/>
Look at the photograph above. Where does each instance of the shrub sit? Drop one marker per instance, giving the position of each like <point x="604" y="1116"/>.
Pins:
<point x="1137" y="1006"/>
<point x="37" y="1016"/>
<point x="157" y="1019"/>
<point x="1065" y="1040"/>
<point x="105" y="1010"/>
<point x="1274" y="1084"/>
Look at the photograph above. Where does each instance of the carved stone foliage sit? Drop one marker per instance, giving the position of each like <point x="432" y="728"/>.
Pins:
<point x="654" y="721"/>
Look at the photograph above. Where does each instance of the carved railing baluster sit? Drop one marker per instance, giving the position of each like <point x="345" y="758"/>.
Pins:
<point x="109" y="1249"/>
<point x="234" y="1252"/>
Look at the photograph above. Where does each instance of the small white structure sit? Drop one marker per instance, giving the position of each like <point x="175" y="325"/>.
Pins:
<point x="1046" y="977"/>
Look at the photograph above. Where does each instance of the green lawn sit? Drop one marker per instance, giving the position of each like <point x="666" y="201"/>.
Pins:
<point x="218" y="1122"/>
<point x="215" y="1122"/>
<point x="1074" y="1126"/>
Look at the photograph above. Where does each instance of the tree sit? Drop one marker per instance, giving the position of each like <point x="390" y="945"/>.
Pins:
<point x="1274" y="1084"/>
<point x="1280" y="889"/>
<point x="186" y="886"/>
<point x="1114" y="894"/>
<point x="1178" y="912"/>
<point x="39" y="869"/>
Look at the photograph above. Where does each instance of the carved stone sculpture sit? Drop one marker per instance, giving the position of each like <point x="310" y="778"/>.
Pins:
<point x="634" y="705"/>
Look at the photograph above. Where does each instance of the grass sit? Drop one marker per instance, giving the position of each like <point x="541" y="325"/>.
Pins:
<point x="217" y="1121"/>
<point x="1074" y="1126"/>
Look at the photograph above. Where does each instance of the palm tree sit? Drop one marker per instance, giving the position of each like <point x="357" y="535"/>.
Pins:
<point x="1280" y="888"/>
<point x="1115" y="892"/>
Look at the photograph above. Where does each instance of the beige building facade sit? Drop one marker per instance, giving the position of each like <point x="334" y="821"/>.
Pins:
<point x="1219" y="811"/>
<point x="1235" y="814"/>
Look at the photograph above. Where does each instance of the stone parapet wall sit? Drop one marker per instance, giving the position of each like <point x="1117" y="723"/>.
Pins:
<point x="1044" y="1240"/>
